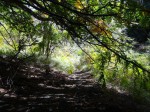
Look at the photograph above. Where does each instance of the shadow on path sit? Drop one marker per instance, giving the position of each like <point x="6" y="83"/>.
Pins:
<point x="34" y="90"/>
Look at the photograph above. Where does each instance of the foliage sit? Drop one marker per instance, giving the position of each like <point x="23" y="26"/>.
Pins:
<point x="49" y="37"/>
<point x="45" y="25"/>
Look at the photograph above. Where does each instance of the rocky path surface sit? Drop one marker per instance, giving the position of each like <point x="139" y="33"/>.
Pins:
<point x="36" y="91"/>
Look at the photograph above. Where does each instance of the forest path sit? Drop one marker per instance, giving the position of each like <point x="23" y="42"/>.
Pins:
<point x="37" y="91"/>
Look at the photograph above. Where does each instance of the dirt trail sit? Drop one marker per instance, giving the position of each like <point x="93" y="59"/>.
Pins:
<point x="37" y="91"/>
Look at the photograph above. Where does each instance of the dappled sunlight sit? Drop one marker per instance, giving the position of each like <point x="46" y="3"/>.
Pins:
<point x="51" y="92"/>
<point x="74" y="56"/>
